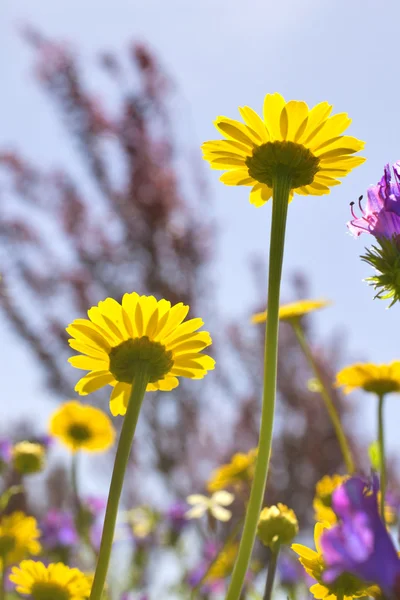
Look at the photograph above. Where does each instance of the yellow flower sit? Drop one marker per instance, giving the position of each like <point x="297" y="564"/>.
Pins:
<point x="323" y="497"/>
<point x="239" y="470"/>
<point x="223" y="565"/>
<point x="307" y="143"/>
<point x="294" y="310"/>
<point x="277" y="525"/>
<point x="213" y="505"/>
<point x="82" y="427"/>
<point x="28" y="457"/>
<point x="19" y="535"/>
<point x="117" y="341"/>
<point x="380" y="379"/>
<point x="54" y="582"/>
<point x="143" y="521"/>
<point x="345" y="586"/>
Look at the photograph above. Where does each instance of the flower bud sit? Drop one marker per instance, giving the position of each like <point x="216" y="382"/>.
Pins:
<point x="277" y="525"/>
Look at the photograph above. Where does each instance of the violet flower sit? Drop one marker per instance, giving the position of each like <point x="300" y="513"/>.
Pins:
<point x="360" y="543"/>
<point x="175" y="515"/>
<point x="381" y="215"/>
<point x="5" y="453"/>
<point x="290" y="571"/>
<point x="58" y="529"/>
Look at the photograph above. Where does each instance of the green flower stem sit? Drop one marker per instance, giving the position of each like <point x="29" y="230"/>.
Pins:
<point x="326" y="396"/>
<point x="269" y="584"/>
<point x="382" y="457"/>
<point x="120" y="464"/>
<point x="2" y="583"/>
<point x="75" y="488"/>
<point x="281" y="191"/>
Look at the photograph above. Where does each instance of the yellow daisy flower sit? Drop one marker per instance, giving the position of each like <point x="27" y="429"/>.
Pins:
<point x="322" y="502"/>
<point x="82" y="427"/>
<point x="54" y="582"/>
<point x="239" y="470"/>
<point x="379" y="379"/>
<point x="306" y="142"/>
<point x="19" y="535"/>
<point x="214" y="506"/>
<point x="28" y="457"/>
<point x="119" y="340"/>
<point x="345" y="586"/>
<point x="294" y="310"/>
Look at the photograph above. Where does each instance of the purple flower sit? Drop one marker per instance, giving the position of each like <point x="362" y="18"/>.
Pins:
<point x="381" y="216"/>
<point x="360" y="544"/>
<point x="5" y="453"/>
<point x="290" y="571"/>
<point x="58" y="529"/>
<point x="175" y="515"/>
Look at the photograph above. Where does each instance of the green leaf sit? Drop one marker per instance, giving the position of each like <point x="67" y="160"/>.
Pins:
<point x="375" y="456"/>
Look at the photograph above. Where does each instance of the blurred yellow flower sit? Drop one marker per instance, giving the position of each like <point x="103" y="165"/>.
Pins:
<point x="224" y="562"/>
<point x="55" y="581"/>
<point x="239" y="470"/>
<point x="277" y="525"/>
<point x="28" y="457"/>
<point x="294" y="310"/>
<point x="19" y="536"/>
<point x="82" y="427"/>
<point x="213" y="505"/>
<point x="306" y="142"/>
<point x="379" y="379"/>
<point x="322" y="502"/>
<point x="344" y="587"/>
<point x="119" y="340"/>
<point x="142" y="520"/>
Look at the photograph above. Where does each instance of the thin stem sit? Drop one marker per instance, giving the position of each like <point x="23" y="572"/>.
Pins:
<point x="326" y="396"/>
<point x="281" y="191"/>
<point x="117" y="480"/>
<point x="75" y="488"/>
<point x="382" y="456"/>
<point x="269" y="584"/>
<point x="228" y="541"/>
<point x="3" y="582"/>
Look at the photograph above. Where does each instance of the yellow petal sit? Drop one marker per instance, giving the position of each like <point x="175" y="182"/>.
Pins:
<point x="316" y="118"/>
<point x="85" y="348"/>
<point x="319" y="591"/>
<point x="326" y="180"/>
<point x="88" y="363"/>
<point x="93" y="382"/>
<point x="227" y="162"/>
<point x="235" y="130"/>
<point x="84" y="330"/>
<point x="220" y="513"/>
<point x="254" y="121"/>
<point x="345" y="144"/>
<point x="226" y="146"/>
<point x="304" y="552"/>
<point x="332" y="128"/>
<point x="223" y="497"/>
<point x="272" y="109"/>
<point x="260" y="194"/>
<point x="294" y="115"/>
<point x="237" y="177"/>
<point x="174" y="317"/>
<point x="119" y="398"/>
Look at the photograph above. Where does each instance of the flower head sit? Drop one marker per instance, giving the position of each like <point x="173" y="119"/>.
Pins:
<point x="54" y="582"/>
<point x="381" y="218"/>
<point x="143" y="521"/>
<point x="119" y="340"/>
<point x="305" y="144"/>
<point x="293" y="311"/>
<point x="290" y="571"/>
<point x="346" y="586"/>
<point x="379" y="379"/>
<point x="277" y="525"/>
<point x="19" y="536"/>
<point x="58" y="529"/>
<point x="82" y="427"/>
<point x="28" y="457"/>
<point x="239" y="470"/>
<point x="213" y="505"/>
<point x="322" y="503"/>
<point x="360" y="543"/>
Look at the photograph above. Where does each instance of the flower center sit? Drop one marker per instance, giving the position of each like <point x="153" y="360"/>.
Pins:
<point x="48" y="590"/>
<point x="287" y="158"/>
<point x="7" y="544"/>
<point x="79" y="432"/>
<point x="130" y="357"/>
<point x="381" y="386"/>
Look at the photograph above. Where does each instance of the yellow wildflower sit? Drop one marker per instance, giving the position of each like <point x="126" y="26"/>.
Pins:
<point x="294" y="310"/>
<point x="323" y="497"/>
<point x="119" y="340"/>
<point x="53" y="582"/>
<point x="82" y="427"/>
<point x="28" y="457"/>
<point x="239" y="470"/>
<point x="223" y="565"/>
<point x="380" y="379"/>
<point x="19" y="536"/>
<point x="307" y="143"/>
<point x="277" y="525"/>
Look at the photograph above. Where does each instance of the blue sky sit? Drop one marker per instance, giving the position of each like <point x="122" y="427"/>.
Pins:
<point x="223" y="54"/>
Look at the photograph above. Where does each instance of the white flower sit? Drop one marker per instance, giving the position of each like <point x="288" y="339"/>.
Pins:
<point x="213" y="504"/>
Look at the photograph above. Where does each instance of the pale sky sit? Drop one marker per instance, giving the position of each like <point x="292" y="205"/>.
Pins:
<point x="224" y="54"/>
